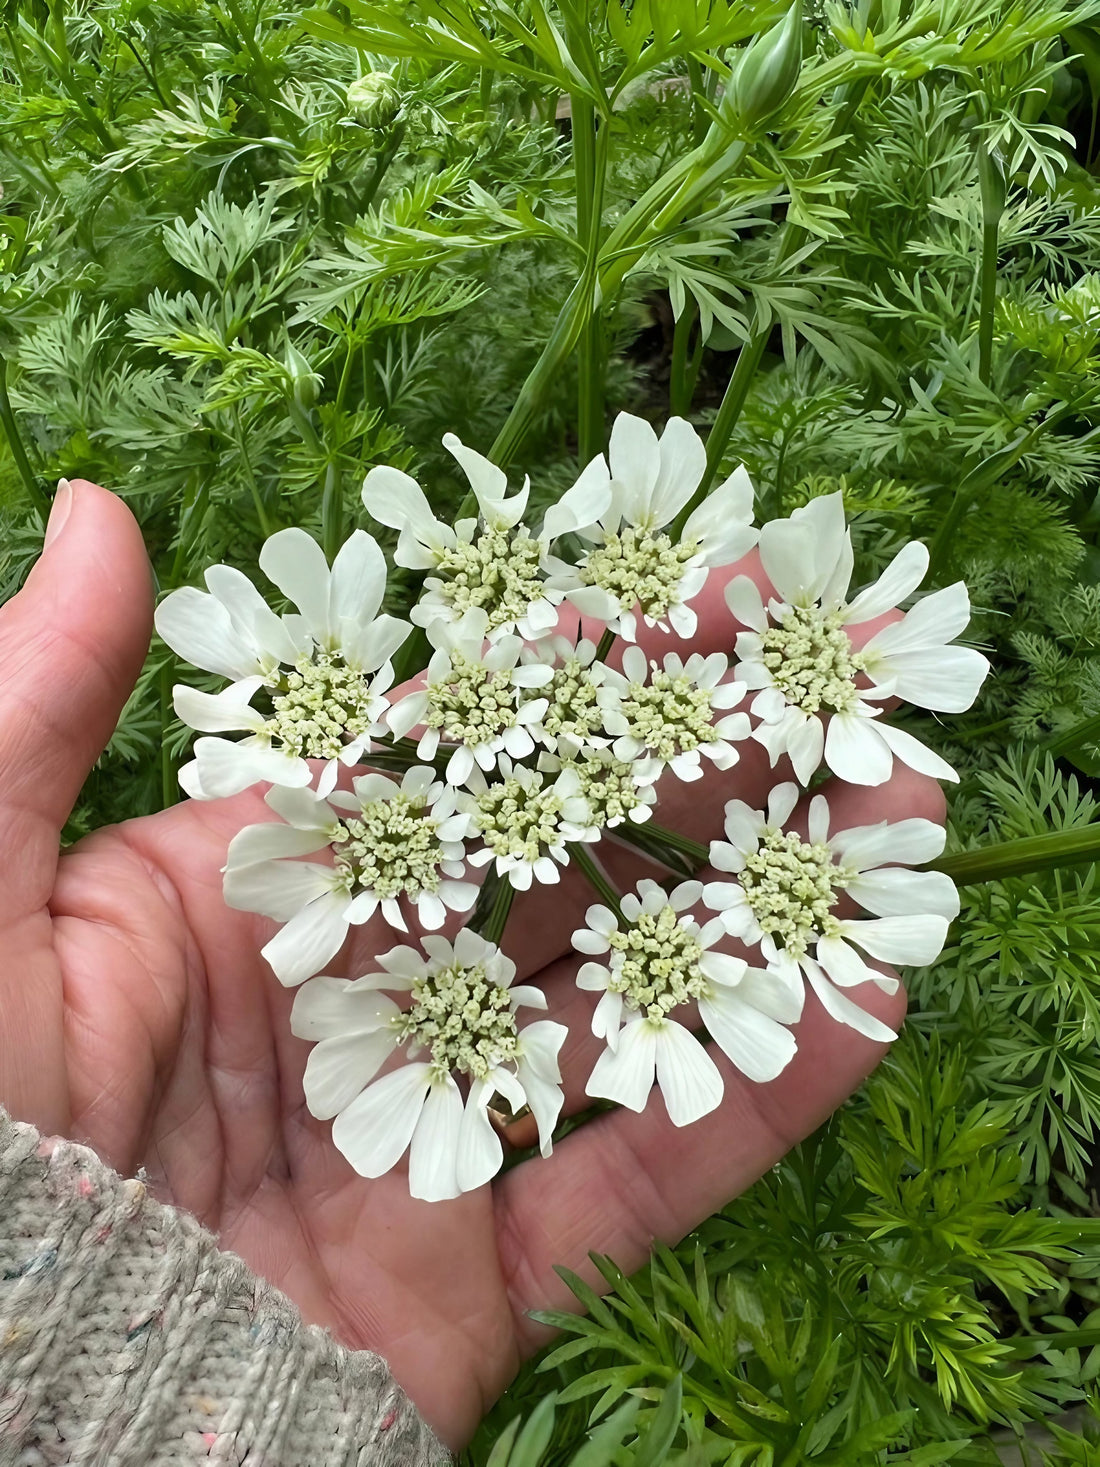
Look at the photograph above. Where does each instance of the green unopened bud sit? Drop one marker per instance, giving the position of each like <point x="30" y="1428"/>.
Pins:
<point x="304" y="380"/>
<point x="766" y="72"/>
<point x="374" y="99"/>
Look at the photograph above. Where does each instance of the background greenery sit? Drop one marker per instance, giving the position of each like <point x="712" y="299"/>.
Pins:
<point x="248" y="249"/>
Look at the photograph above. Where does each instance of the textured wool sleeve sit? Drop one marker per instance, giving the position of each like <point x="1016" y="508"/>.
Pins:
<point x="128" y="1339"/>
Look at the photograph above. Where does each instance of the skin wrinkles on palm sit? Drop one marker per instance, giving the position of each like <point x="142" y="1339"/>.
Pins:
<point x="144" y="1022"/>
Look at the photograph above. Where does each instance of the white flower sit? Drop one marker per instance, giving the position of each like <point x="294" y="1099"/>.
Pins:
<point x="462" y="1012"/>
<point x="635" y="568"/>
<point x="668" y="719"/>
<point x="524" y="820"/>
<point x="475" y="698"/>
<point x="660" y="959"/>
<point x="387" y="841"/>
<point x="324" y="671"/>
<point x="573" y="719"/>
<point x="609" y="787"/>
<point x="492" y="562"/>
<point x="797" y="652"/>
<point x="786" y="888"/>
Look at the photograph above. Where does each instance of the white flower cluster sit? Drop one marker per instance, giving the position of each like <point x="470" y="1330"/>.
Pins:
<point x="520" y="748"/>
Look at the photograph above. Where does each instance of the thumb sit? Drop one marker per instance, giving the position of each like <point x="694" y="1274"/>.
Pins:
<point x="71" y="646"/>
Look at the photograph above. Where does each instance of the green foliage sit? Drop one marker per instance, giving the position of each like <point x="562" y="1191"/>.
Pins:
<point x="250" y="248"/>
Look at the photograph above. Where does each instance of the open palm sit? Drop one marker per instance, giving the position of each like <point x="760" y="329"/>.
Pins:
<point x="137" y="1016"/>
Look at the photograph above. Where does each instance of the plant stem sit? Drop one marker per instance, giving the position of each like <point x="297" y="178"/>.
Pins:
<point x="498" y="905"/>
<point x="18" y="452"/>
<point x="332" y="512"/>
<point x="597" y="879"/>
<point x="678" y="842"/>
<point x="993" y="201"/>
<point x="589" y="169"/>
<point x="1018" y="857"/>
<point x="1085" y="732"/>
<point x="681" y="379"/>
<point x="607" y="641"/>
<point x="169" y="787"/>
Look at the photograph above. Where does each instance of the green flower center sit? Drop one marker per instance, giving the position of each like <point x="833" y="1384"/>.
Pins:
<point x="499" y="572"/>
<point x="320" y="706"/>
<point x="573" y="710"/>
<point x="519" y="820"/>
<point x="640" y="567"/>
<point x="463" y="1018"/>
<point x="811" y="660"/>
<point x="669" y="715"/>
<point x="792" y="886"/>
<point x="392" y="848"/>
<point x="608" y="784"/>
<point x="473" y="705"/>
<point x="655" y="963"/>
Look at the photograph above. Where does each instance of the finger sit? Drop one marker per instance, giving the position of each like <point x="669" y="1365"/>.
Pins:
<point x="907" y="794"/>
<point x="71" y="646"/>
<point x="627" y="1180"/>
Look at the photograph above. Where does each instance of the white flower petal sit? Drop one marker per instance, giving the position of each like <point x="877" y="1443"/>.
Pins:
<point x="375" y="1129"/>
<point x="309" y="940"/>
<point x="582" y="505"/>
<point x="933" y="622"/>
<point x="626" y="1074"/>
<point x="916" y="755"/>
<point x="841" y="1008"/>
<point x="635" y="459"/>
<point x="358" y="580"/>
<point x="690" y="1082"/>
<point x="900" y="579"/>
<point x="433" y="1153"/>
<point x="479" y="1153"/>
<point x="946" y="680"/>
<point x="755" y="1043"/>
<point x="330" y="1008"/>
<point x="276" y="889"/>
<point x="746" y="604"/>
<point x="297" y="565"/>
<point x="914" y="940"/>
<point x="199" y="629"/>
<point x="903" y="842"/>
<point x="856" y="751"/>
<point x="224" y="712"/>
<point x="395" y="499"/>
<point x="251" y="614"/>
<point x="895" y="891"/>
<point x="339" y="1068"/>
<point x="683" y="463"/>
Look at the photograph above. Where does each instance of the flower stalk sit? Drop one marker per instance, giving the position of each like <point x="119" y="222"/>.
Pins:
<point x="1032" y="853"/>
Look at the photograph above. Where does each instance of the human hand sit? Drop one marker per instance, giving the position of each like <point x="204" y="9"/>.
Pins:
<point x="137" y="1016"/>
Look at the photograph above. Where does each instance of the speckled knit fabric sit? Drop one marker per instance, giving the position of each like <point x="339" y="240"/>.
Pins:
<point x="128" y="1339"/>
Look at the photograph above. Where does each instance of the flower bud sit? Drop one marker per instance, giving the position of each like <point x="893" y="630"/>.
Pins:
<point x="374" y="99"/>
<point x="766" y="72"/>
<point x="303" y="379"/>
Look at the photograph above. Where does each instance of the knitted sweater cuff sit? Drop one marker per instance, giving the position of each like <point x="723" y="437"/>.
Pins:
<point x="128" y="1338"/>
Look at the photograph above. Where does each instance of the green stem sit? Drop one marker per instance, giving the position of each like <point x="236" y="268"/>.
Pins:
<point x="683" y="843"/>
<point x="1019" y="857"/>
<point x="993" y="201"/>
<point x="494" y="902"/>
<point x="169" y="786"/>
<point x="607" y="641"/>
<point x="18" y="452"/>
<point x="250" y="476"/>
<point x="589" y="169"/>
<point x="596" y="878"/>
<point x="1085" y="732"/>
<point x="332" y="512"/>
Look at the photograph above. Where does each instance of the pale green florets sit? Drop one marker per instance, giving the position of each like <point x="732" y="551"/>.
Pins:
<point x="655" y="963"/>
<point x="498" y="572"/>
<point x="669" y="714"/>
<point x="391" y="849"/>
<point x="811" y="660"/>
<point x="473" y="705"/>
<point x="320" y="706"/>
<point x="463" y="1018"/>
<point x="573" y="710"/>
<point x="792" y="886"/>
<point x="608" y="785"/>
<point x="519" y="820"/>
<point x="640" y="566"/>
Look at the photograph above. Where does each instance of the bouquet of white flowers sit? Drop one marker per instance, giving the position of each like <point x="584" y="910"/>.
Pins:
<point x="542" y="734"/>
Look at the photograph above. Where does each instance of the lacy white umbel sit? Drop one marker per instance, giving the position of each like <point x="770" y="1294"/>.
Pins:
<point x="798" y="655"/>
<point x="461" y="1017"/>
<point x="657" y="961"/>
<point x="492" y="562"/>
<point x="476" y="701"/>
<point x="323" y="672"/>
<point x="664" y="716"/>
<point x="787" y="886"/>
<point x="389" y="843"/>
<point x="636" y="567"/>
<point x="525" y="819"/>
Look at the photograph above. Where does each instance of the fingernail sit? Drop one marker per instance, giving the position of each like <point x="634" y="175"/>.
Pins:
<point x="62" y="504"/>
